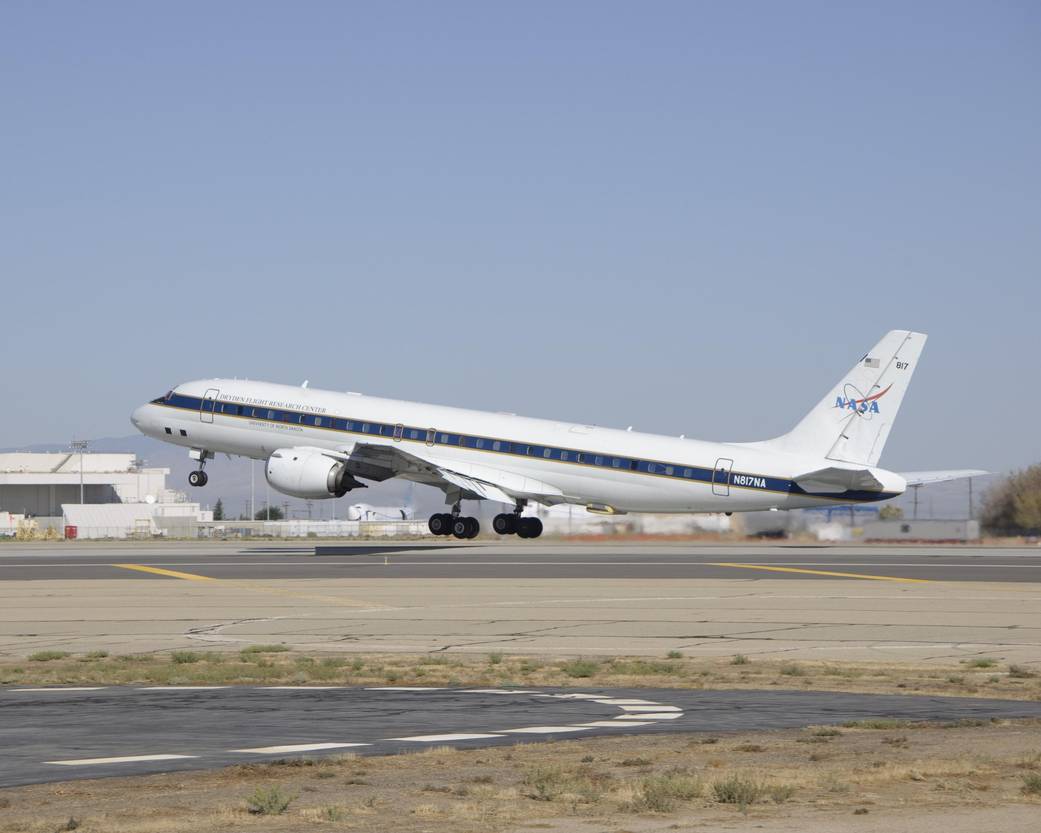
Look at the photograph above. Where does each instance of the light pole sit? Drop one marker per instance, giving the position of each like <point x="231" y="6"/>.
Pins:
<point x="80" y="446"/>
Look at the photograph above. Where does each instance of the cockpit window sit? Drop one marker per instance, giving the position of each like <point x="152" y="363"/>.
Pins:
<point x="166" y="397"/>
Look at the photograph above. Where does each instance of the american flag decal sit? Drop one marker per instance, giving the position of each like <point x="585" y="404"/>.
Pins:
<point x="868" y="362"/>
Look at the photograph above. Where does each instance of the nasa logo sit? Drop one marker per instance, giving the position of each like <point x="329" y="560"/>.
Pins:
<point x="866" y="405"/>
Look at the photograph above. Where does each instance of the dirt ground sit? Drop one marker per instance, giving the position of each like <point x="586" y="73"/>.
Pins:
<point x="868" y="777"/>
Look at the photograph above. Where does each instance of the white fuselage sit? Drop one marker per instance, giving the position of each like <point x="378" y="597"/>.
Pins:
<point x="623" y="471"/>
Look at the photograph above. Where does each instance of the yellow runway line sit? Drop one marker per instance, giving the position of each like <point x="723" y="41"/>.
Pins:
<point x="821" y="572"/>
<point x="241" y="585"/>
<point x="161" y="572"/>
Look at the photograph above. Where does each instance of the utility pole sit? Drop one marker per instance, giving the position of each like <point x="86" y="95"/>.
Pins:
<point x="252" y="492"/>
<point x="916" y="488"/>
<point x="970" y="499"/>
<point x="80" y="446"/>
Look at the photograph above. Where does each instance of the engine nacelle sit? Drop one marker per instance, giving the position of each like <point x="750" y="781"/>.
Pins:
<point x="308" y="473"/>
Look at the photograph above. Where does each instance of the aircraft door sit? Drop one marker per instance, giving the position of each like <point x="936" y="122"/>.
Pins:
<point x="721" y="476"/>
<point x="209" y="404"/>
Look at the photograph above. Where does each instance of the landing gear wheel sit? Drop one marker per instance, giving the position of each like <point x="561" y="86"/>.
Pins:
<point x="529" y="528"/>
<point x="460" y="527"/>
<point x="473" y="527"/>
<point x="440" y="524"/>
<point x="504" y="524"/>
<point x="197" y="478"/>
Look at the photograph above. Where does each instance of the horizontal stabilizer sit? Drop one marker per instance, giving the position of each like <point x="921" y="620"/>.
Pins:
<point x="921" y="478"/>
<point x="832" y="480"/>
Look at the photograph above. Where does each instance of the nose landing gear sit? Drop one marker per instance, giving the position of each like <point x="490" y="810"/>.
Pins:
<point x="198" y="478"/>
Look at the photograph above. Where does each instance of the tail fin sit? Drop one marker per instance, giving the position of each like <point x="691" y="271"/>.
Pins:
<point x="851" y="423"/>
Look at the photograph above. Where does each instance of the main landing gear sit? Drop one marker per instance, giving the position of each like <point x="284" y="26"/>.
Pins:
<point x="445" y="523"/>
<point x="514" y="524"/>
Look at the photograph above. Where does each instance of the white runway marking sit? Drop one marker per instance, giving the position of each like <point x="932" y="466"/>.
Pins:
<point x="497" y="691"/>
<point x="616" y="701"/>
<point x="654" y="716"/>
<point x="616" y="724"/>
<point x="181" y="687"/>
<point x="651" y="708"/>
<point x="129" y="759"/>
<point x="547" y="730"/>
<point x="573" y="696"/>
<point x="296" y="747"/>
<point x="446" y="738"/>
<point x="66" y="688"/>
<point x="299" y="687"/>
<point x="403" y="688"/>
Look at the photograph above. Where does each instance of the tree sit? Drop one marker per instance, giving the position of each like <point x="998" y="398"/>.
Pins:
<point x="1014" y="505"/>
<point x="890" y="513"/>
<point x="262" y="514"/>
<point x="218" y="510"/>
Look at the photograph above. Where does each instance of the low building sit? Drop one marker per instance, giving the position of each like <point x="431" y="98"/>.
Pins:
<point x="934" y="531"/>
<point x="121" y="498"/>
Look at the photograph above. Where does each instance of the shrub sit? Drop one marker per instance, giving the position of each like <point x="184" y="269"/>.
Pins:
<point x="96" y="654"/>
<point x="47" y="656"/>
<point x="269" y="801"/>
<point x="265" y="649"/>
<point x="740" y="659"/>
<point x="793" y="670"/>
<point x="184" y="657"/>
<point x="1020" y="672"/>
<point x="661" y="793"/>
<point x="1032" y="784"/>
<point x="495" y="658"/>
<point x="981" y="662"/>
<point x="581" y="668"/>
<point x="826" y="732"/>
<point x="737" y="790"/>
<point x="674" y="655"/>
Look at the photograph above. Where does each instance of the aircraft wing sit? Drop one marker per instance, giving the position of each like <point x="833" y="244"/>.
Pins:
<point x="833" y="479"/>
<point x="921" y="478"/>
<point x="459" y="481"/>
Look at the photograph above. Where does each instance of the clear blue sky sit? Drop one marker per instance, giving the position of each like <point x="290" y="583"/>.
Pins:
<point x="691" y="217"/>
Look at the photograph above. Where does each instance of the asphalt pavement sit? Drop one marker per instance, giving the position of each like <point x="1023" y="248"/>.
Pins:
<point x="548" y="560"/>
<point x="56" y="734"/>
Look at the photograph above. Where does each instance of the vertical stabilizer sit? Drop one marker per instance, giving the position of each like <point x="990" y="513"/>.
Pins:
<point x="852" y="422"/>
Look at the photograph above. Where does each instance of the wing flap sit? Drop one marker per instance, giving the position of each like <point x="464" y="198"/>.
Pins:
<point x="470" y="481"/>
<point x="833" y="479"/>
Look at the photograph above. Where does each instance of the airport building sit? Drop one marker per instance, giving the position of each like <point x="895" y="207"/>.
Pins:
<point x="42" y="491"/>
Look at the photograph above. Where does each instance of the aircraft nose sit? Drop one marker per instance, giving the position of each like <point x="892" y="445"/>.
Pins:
<point x="138" y="416"/>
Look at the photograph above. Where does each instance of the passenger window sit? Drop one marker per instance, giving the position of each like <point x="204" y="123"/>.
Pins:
<point x="270" y="414"/>
<point x="496" y="445"/>
<point x="547" y="452"/>
<point x="318" y="421"/>
<point x="668" y="470"/>
<point x="688" y="473"/>
<point x="599" y="460"/>
<point x="564" y="455"/>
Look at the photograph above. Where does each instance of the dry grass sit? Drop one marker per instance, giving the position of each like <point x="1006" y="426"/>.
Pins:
<point x="570" y="785"/>
<point x="274" y="664"/>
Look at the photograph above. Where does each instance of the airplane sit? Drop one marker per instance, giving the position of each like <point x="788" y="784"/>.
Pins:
<point x="322" y="444"/>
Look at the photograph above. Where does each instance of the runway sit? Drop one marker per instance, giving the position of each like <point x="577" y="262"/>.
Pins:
<point x="59" y="734"/>
<point x="548" y="560"/>
<point x="548" y="598"/>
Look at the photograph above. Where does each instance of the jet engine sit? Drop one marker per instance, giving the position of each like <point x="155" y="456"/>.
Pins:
<point x="308" y="473"/>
